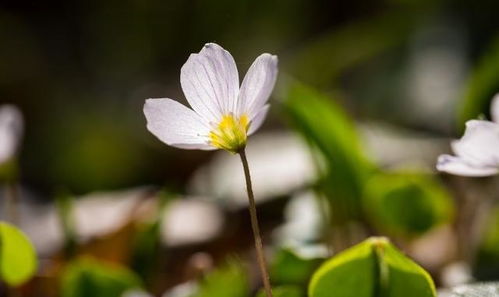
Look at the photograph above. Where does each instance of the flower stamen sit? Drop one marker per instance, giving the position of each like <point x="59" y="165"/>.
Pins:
<point x="231" y="133"/>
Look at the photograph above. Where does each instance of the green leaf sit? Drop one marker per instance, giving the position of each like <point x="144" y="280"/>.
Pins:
<point x="17" y="256"/>
<point x="147" y="244"/>
<point x="291" y="269"/>
<point x="227" y="281"/>
<point x="486" y="264"/>
<point x="284" y="291"/>
<point x="327" y="128"/>
<point x="87" y="277"/>
<point x="370" y="269"/>
<point x="404" y="277"/>
<point x="482" y="85"/>
<point x="407" y="203"/>
<point x="64" y="205"/>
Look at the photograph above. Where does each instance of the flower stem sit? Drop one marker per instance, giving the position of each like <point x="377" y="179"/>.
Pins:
<point x="254" y="225"/>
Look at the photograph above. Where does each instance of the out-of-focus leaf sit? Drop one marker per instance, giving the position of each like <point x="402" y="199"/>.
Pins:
<point x="343" y="166"/>
<point x="486" y="264"/>
<point x="372" y="268"/>
<point x="321" y="62"/>
<point x="227" y="281"/>
<point x="284" y="291"/>
<point x="407" y="203"/>
<point x="9" y="171"/>
<point x="482" y="85"/>
<point x="146" y="247"/>
<point x="88" y="277"/>
<point x="147" y="241"/>
<point x="17" y="256"/>
<point x="474" y="290"/>
<point x="326" y="127"/>
<point x="64" y="204"/>
<point x="289" y="268"/>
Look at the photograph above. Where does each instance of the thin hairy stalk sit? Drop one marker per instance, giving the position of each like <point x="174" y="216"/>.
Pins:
<point x="254" y="225"/>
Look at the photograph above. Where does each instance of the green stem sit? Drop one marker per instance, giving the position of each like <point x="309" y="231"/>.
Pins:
<point x="254" y="225"/>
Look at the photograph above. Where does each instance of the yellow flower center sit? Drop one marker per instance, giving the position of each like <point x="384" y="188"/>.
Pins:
<point x="230" y="134"/>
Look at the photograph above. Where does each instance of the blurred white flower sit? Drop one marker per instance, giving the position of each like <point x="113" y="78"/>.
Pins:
<point x="222" y="114"/>
<point x="395" y="147"/>
<point x="477" y="152"/>
<point x="11" y="129"/>
<point x="183" y="290"/>
<point x="455" y="274"/>
<point x="303" y="220"/>
<point x="190" y="221"/>
<point x="101" y="213"/>
<point x="38" y="220"/>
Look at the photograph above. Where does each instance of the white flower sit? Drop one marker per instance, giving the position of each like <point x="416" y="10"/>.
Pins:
<point x="477" y="152"/>
<point x="190" y="221"/>
<point x="11" y="129"/>
<point x="222" y="114"/>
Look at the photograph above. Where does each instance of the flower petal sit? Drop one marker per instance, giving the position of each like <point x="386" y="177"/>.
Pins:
<point x="494" y="109"/>
<point x="458" y="166"/>
<point x="257" y="85"/>
<point x="210" y="82"/>
<point x="258" y="119"/>
<point x="11" y="130"/>
<point x="176" y="125"/>
<point x="480" y="144"/>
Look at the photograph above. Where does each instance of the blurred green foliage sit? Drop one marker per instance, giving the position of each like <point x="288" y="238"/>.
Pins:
<point x="18" y="261"/>
<point x="284" y="291"/>
<point x="230" y="280"/>
<point x="372" y="268"/>
<point x="407" y="203"/>
<point x="289" y="268"/>
<point x="89" y="277"/>
<point x="64" y="203"/>
<point x="147" y="240"/>
<point x="321" y="62"/>
<point x="330" y="131"/>
<point x="146" y="249"/>
<point x="399" y="203"/>
<point x="482" y="85"/>
<point x="486" y="264"/>
<point x="9" y="171"/>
